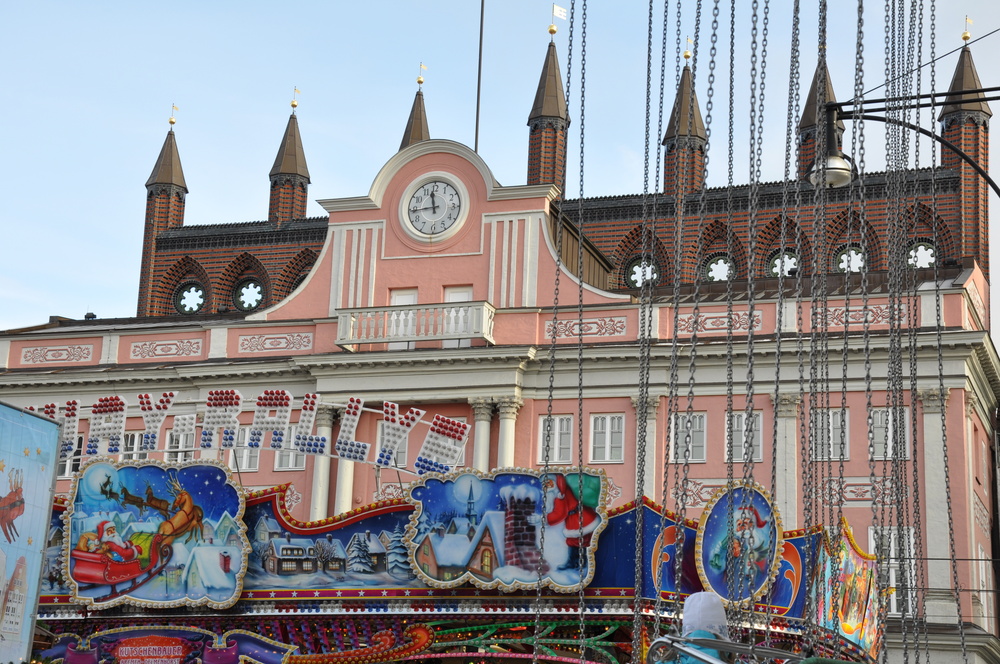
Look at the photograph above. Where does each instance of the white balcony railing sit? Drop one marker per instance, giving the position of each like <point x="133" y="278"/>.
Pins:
<point x="407" y="324"/>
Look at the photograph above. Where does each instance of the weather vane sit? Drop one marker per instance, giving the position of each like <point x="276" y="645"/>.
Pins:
<point x="173" y="109"/>
<point x="557" y="12"/>
<point x="420" y="75"/>
<point x="295" y="102"/>
<point x="966" y="36"/>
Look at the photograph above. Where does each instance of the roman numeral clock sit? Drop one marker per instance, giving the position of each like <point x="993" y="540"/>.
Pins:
<point x="434" y="207"/>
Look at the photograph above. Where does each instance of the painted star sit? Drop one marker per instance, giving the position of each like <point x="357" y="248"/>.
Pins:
<point x="30" y="540"/>
<point x="315" y="593"/>
<point x="3" y="465"/>
<point x="361" y="593"/>
<point x="38" y="451"/>
<point x="250" y="595"/>
<point x="339" y="593"/>
<point x="295" y="593"/>
<point x="598" y="592"/>
<point x="273" y="593"/>
<point x="622" y="592"/>
<point x="27" y="452"/>
<point x="406" y="592"/>
<point x="385" y="593"/>
<point x="207" y="482"/>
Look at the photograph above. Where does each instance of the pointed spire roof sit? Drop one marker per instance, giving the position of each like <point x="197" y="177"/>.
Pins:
<point x="685" y="118"/>
<point x="291" y="159"/>
<point x="810" y="114"/>
<point x="168" y="165"/>
<point x="550" y="98"/>
<point x="416" y="126"/>
<point x="965" y="78"/>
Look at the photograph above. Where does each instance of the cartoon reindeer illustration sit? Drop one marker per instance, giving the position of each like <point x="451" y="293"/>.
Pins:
<point x="188" y="518"/>
<point x="131" y="499"/>
<point x="12" y="505"/>
<point x="159" y="504"/>
<point x="108" y="489"/>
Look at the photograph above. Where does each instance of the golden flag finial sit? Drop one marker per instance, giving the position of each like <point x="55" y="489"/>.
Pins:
<point x="687" y="51"/>
<point x="295" y="102"/>
<point x="420" y="76"/>
<point x="966" y="36"/>
<point x="173" y="108"/>
<point x="557" y="12"/>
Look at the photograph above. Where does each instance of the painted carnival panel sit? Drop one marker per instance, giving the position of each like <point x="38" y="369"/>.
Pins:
<point x="151" y="534"/>
<point x="28" y="447"/>
<point x="739" y="544"/>
<point x="507" y="529"/>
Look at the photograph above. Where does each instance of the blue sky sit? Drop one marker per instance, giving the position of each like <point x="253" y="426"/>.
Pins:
<point x="88" y="88"/>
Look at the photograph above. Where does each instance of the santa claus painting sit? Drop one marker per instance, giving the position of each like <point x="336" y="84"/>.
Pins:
<point x="572" y="503"/>
<point x="112" y="544"/>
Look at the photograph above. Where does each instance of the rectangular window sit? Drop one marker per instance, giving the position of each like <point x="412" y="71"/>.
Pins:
<point x="894" y="545"/>
<point x="746" y="445"/>
<point x="889" y="439"/>
<point x="985" y="587"/>
<point x="828" y="429"/>
<point x="607" y="436"/>
<point x="689" y="437"/>
<point x="242" y="458"/>
<point x="288" y="458"/>
<point x="130" y="446"/>
<point x="180" y="447"/>
<point x="71" y="464"/>
<point x="556" y="438"/>
<point x="402" y="324"/>
<point x="457" y="319"/>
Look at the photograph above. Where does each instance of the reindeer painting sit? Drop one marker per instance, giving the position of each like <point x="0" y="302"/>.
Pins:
<point x="108" y="489"/>
<point x="131" y="499"/>
<point x="187" y="519"/>
<point x="159" y="504"/>
<point x="12" y="505"/>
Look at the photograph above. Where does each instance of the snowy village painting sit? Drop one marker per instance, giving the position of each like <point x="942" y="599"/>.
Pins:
<point x="149" y="534"/>
<point x="507" y="529"/>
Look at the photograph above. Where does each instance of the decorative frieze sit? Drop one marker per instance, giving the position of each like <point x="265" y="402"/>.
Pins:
<point x="271" y="343"/>
<point x="719" y="322"/>
<point x="787" y="404"/>
<point x="982" y="514"/>
<point x="873" y="314"/>
<point x="165" y="348"/>
<point x="694" y="493"/>
<point x="884" y="491"/>
<point x="611" y="326"/>
<point x="57" y="354"/>
<point x="977" y="303"/>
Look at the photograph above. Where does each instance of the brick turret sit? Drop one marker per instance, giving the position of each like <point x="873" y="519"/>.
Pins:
<point x="548" y="122"/>
<point x="165" y="194"/>
<point x="289" y="178"/>
<point x="811" y="124"/>
<point x="965" y="122"/>
<point x="684" y="142"/>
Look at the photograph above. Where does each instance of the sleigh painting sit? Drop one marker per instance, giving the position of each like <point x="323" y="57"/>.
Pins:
<point x="184" y="543"/>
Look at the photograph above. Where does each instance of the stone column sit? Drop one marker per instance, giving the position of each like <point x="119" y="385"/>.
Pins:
<point x="507" y="407"/>
<point x="651" y="470"/>
<point x="939" y="600"/>
<point x="483" y="411"/>
<point x="788" y="473"/>
<point x="321" y="466"/>
<point x="344" y="491"/>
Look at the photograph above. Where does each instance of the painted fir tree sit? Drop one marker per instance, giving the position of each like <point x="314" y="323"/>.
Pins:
<point x="397" y="557"/>
<point x="359" y="559"/>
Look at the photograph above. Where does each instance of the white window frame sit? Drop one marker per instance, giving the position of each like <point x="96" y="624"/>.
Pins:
<point x="985" y="574"/>
<point x="71" y="464"/>
<point x="403" y="323"/>
<point x="453" y="316"/>
<point x="737" y="428"/>
<point x="180" y="447"/>
<point x="901" y="583"/>
<point x="828" y="423"/>
<point x="884" y="431"/>
<point x="243" y="458"/>
<point x="607" y="438"/>
<point x="130" y="446"/>
<point x="288" y="458"/>
<point x="699" y="436"/>
<point x="561" y="439"/>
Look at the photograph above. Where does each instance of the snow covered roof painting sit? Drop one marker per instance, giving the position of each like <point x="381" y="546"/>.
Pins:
<point x="520" y="521"/>
<point x="293" y="548"/>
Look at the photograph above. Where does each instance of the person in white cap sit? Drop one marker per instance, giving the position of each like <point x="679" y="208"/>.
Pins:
<point x="704" y="618"/>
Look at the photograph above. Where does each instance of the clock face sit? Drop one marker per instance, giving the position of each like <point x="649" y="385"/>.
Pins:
<point x="434" y="207"/>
